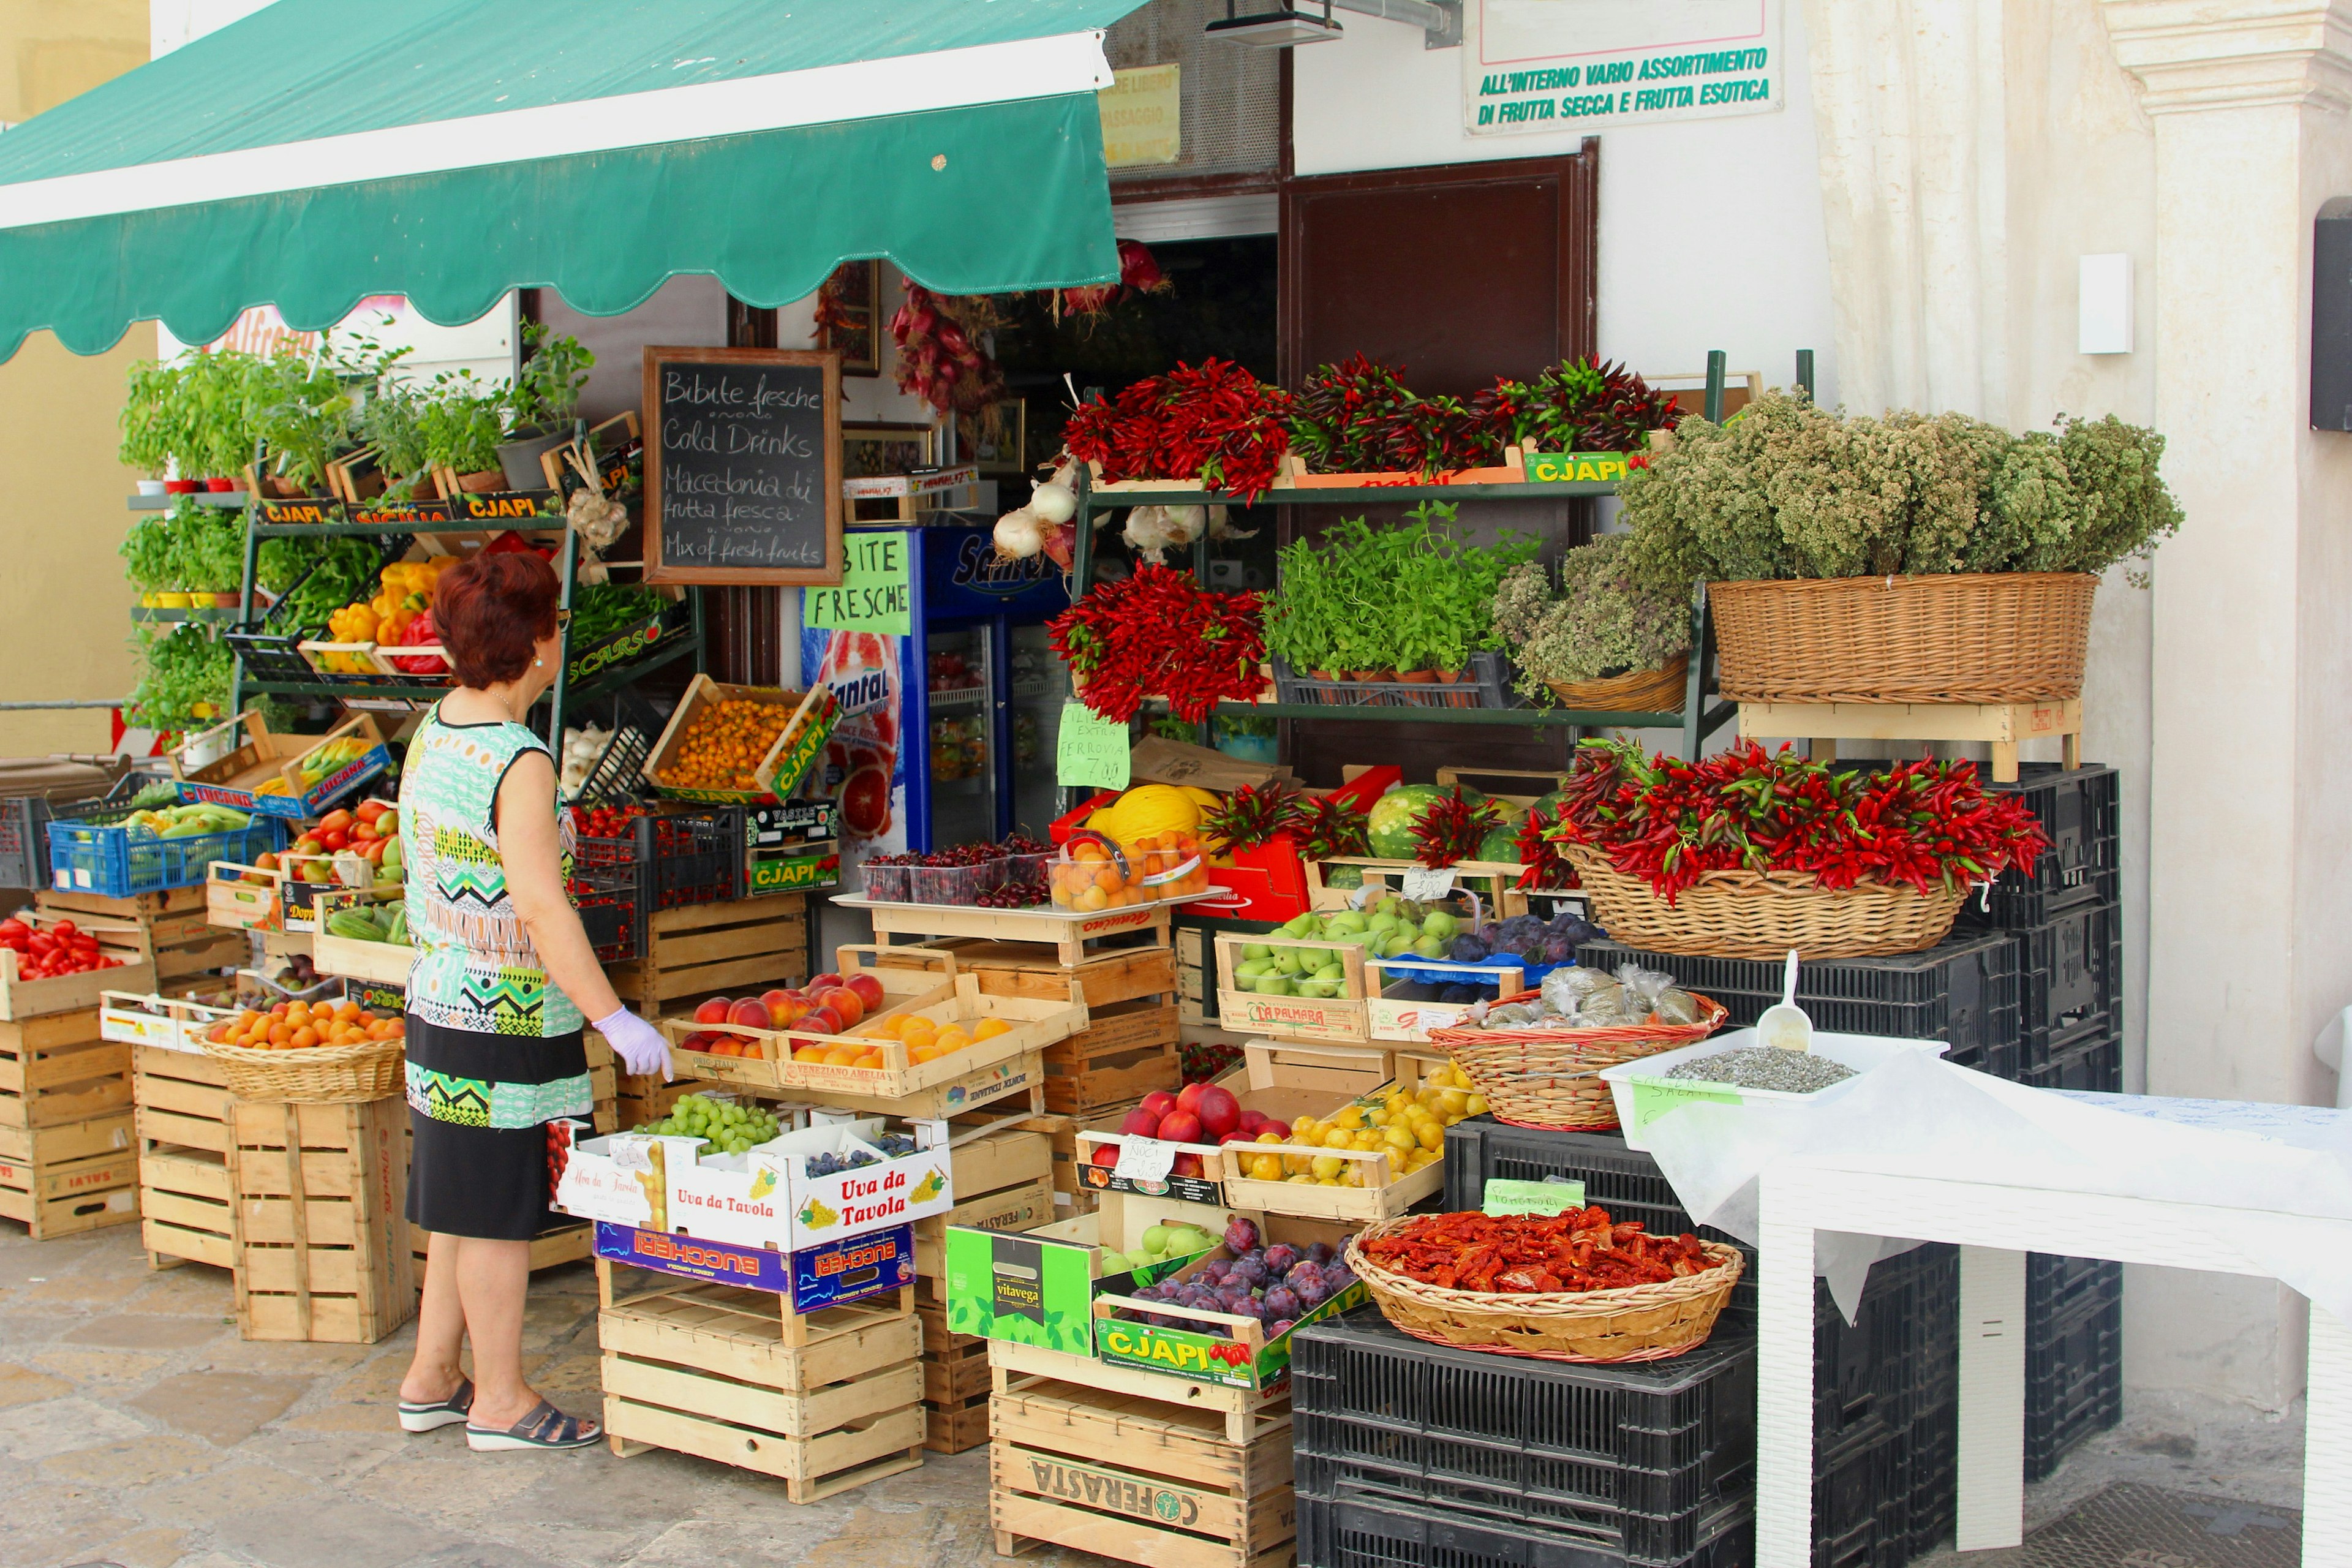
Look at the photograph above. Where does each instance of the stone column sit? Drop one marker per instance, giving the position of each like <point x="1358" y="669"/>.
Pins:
<point x="2251" y="944"/>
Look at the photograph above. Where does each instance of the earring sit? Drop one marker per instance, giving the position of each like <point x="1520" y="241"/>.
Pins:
<point x="539" y="664"/>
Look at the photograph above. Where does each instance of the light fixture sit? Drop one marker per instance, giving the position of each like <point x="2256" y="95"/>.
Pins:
<point x="1279" y="28"/>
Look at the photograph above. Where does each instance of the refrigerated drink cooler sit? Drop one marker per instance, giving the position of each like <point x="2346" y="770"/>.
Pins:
<point x="946" y="735"/>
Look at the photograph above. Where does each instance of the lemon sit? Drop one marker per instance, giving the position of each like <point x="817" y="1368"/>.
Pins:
<point x="1431" y="1135"/>
<point x="1399" y="1138"/>
<point x="1475" y="1106"/>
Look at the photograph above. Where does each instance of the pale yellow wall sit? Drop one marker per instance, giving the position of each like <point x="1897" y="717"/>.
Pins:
<point x="63" y="625"/>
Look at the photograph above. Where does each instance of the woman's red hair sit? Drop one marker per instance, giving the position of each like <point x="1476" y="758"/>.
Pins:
<point x="490" y="609"/>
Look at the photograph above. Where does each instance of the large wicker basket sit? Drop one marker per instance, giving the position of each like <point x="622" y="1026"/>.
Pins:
<point x="1659" y="691"/>
<point x="1757" y="914"/>
<point x="1550" y="1078"/>
<point x="318" y="1075"/>
<point x="2000" y="637"/>
<point x="1643" y="1322"/>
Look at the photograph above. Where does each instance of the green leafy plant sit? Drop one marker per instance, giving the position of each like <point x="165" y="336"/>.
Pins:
<point x="314" y="578"/>
<point x="547" y="391"/>
<point x="1784" y="490"/>
<point x="154" y="417"/>
<point x="1601" y="622"/>
<point x="1406" y="598"/>
<point x="303" y="410"/>
<point x="187" y="679"/>
<point x="460" y="422"/>
<point x="192" y="549"/>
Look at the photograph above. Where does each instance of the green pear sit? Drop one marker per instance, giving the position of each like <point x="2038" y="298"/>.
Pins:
<point x="1429" y="947"/>
<point x="1155" y="1237"/>
<point x="1257" y="950"/>
<point x="1273" y="985"/>
<point x="1440" y="924"/>
<point x="1287" y="960"/>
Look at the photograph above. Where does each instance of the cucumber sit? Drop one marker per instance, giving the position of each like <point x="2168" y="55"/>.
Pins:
<point x="354" y="925"/>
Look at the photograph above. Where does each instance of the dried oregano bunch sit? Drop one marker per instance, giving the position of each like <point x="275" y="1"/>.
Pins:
<point x="1603" y="622"/>
<point x="1786" y="489"/>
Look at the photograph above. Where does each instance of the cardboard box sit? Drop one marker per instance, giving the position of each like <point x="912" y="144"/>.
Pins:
<point x="1225" y="1348"/>
<point x="1039" y="1287"/>
<point x="236" y="779"/>
<point x="833" y="1275"/>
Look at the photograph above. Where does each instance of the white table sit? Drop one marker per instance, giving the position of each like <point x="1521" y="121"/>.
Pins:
<point x="1799" y="1196"/>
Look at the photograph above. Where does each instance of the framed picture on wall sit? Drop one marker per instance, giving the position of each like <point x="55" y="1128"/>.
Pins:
<point x="995" y="438"/>
<point x="869" y="450"/>
<point x="849" y="316"/>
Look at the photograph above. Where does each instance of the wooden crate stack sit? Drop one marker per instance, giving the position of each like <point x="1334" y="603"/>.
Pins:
<point x="173" y="930"/>
<point x="187" y="1208"/>
<point x="67" y="1163"/>
<point x="604" y="1082"/>
<point x="322" y="1245"/>
<point x="1135" y="1466"/>
<point x="1003" y="1173"/>
<point x="824" y="1400"/>
<point x="702" y="950"/>
<point x="1195" y="977"/>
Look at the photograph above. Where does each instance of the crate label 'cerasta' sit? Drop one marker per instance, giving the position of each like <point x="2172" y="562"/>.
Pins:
<point x="1129" y="1494"/>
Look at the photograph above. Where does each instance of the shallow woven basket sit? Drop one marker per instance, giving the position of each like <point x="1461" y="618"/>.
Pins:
<point x="1641" y="1322"/>
<point x="1550" y="1078"/>
<point x="1658" y="691"/>
<point x="320" y="1075"/>
<point x="1756" y="914"/>
<point x="1997" y="637"/>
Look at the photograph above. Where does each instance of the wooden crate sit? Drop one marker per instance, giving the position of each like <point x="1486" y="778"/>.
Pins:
<point x="1135" y="1478"/>
<point x="1074" y="938"/>
<point x="1243" y="1416"/>
<point x="714" y="1371"/>
<point x="185" y="945"/>
<point x="604" y="1082"/>
<point x="1002" y="1168"/>
<point x="323" y="1251"/>
<point x="956" y="1384"/>
<point x="54" y="1068"/>
<point x="1020" y="969"/>
<point x="1127" y="1051"/>
<point x="1023" y="1207"/>
<point x="22" y="1000"/>
<point x="573" y="1243"/>
<point x="138" y="906"/>
<point x="60" y="1180"/>
<point x="2003" y="724"/>
<point x="748" y="944"/>
<point x="188" y="1209"/>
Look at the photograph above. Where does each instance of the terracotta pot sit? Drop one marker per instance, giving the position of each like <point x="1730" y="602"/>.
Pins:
<point x="482" y="480"/>
<point x="1452" y="677"/>
<point x="181" y="487"/>
<point x="1418" y="676"/>
<point x="1323" y="675"/>
<point x="220" y="486"/>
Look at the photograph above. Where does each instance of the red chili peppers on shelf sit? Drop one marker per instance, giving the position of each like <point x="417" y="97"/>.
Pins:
<point x="1215" y="422"/>
<point x="1158" y="634"/>
<point x="1919" y="825"/>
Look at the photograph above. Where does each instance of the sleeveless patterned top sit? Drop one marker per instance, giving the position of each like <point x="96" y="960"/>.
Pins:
<point x="476" y="968"/>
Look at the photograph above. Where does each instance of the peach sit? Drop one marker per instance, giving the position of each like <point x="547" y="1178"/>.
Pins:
<point x="713" y="1011"/>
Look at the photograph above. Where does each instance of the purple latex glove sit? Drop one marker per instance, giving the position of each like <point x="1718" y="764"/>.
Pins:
<point x="638" y="1043"/>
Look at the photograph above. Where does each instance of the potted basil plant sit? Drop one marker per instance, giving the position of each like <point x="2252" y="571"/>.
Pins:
<point x="542" y="405"/>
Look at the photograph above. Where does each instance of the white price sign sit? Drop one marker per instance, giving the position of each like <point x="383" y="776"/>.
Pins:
<point x="1423" y="885"/>
<point x="1145" y="1160"/>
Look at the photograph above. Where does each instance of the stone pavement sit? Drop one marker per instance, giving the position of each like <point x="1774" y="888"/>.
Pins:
<point x="136" y="1428"/>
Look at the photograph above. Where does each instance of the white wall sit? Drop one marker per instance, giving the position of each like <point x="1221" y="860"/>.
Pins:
<point x="1711" y="231"/>
<point x="171" y="23"/>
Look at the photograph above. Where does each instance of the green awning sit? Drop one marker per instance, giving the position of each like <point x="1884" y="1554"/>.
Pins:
<point x="322" y="150"/>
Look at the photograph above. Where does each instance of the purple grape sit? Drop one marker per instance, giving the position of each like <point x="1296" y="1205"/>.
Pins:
<point x="1281" y="1301"/>
<point x="1320" y="1252"/>
<point x="1279" y="1258"/>
<point x="1281" y="1328"/>
<point x="1241" y="1235"/>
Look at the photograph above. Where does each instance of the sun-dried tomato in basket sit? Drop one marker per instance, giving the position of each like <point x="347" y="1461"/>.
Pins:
<point x="1577" y="1250"/>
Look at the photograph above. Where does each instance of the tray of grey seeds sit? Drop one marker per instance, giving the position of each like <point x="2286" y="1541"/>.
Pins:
<point x="1737" y="1068"/>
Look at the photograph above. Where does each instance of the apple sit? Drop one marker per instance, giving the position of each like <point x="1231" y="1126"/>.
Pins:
<point x="713" y="1011"/>
<point x="825" y="981"/>
<point x="1189" y="1098"/>
<point x="1106" y="1154"/>
<point x="847" y="1004"/>
<point x="1251" y="1120"/>
<point x="868" y="989"/>
<point x="751" y="1014"/>
<point x="1139" y="1123"/>
<point x="1180" y="1127"/>
<point x="822" y="1021"/>
<point x="1160" y="1102"/>
<point x="1219" y="1111"/>
<point x="1186" y="1166"/>
<point x="1281" y="1129"/>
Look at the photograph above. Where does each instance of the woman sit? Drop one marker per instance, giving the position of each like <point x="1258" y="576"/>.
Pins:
<point x="504" y="976"/>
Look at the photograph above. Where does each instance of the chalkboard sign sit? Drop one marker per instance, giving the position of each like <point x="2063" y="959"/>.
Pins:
<point x="742" y="466"/>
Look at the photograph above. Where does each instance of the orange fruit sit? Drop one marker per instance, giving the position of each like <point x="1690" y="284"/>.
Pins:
<point x="842" y="1056"/>
<point x="953" y="1038"/>
<point x="921" y="1054"/>
<point x="810" y="1054"/>
<point x="989" y="1028"/>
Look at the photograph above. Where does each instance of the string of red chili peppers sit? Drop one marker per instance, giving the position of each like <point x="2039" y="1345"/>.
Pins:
<point x="1215" y="422"/>
<point x="1919" y="825"/>
<point x="1157" y="634"/>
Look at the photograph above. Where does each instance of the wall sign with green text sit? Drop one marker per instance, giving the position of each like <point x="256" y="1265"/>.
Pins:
<point x="1540" y="65"/>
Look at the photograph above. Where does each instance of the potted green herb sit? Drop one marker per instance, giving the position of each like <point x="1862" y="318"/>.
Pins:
<point x="303" y="412"/>
<point x="543" y="404"/>
<point x="1604" y="641"/>
<point x="458" y="424"/>
<point x="1903" y="559"/>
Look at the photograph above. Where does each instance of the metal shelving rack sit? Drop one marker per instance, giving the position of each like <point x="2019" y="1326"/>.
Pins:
<point x="560" y="695"/>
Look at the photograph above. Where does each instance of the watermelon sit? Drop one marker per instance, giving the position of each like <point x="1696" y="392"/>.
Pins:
<point x="1389" y="826"/>
<point x="1549" y="802"/>
<point x="1502" y="845"/>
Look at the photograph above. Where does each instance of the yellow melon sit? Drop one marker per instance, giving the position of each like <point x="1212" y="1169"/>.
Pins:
<point x="1154" y="808"/>
<point x="1207" y="800"/>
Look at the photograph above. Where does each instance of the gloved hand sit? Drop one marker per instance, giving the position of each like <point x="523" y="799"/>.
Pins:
<point x="638" y="1043"/>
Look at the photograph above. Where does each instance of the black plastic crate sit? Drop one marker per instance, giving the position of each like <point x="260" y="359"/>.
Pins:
<point x="2073" y="1377"/>
<point x="636" y="726"/>
<point x="1931" y="1449"/>
<point x="2070" y="967"/>
<point x="2088" y="1056"/>
<point x="607" y="899"/>
<point x="1488" y="684"/>
<point x="1369" y="1531"/>
<point x="1963" y="991"/>
<point x="2082" y="812"/>
<point x="683" y="854"/>
<point x="1862" y="1517"/>
<point x="2056" y="1285"/>
<point x="25" y="828"/>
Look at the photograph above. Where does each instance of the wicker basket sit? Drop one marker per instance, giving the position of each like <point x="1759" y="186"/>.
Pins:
<point x="1659" y="691"/>
<point x="2001" y="636"/>
<point x="1759" y="914"/>
<point x="319" y="1075"/>
<point x="1550" y="1078"/>
<point x="1641" y="1322"/>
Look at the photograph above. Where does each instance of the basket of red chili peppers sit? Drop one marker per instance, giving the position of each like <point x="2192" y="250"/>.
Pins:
<point x="1575" y="1285"/>
<point x="1749" y="854"/>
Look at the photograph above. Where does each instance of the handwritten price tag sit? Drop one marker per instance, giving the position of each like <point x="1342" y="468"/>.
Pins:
<point x="1092" y="750"/>
<point x="1145" y="1160"/>
<point x="1423" y="885"/>
<point x="1502" y="1198"/>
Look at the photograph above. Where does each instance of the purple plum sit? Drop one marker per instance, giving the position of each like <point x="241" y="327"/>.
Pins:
<point x="1252" y="1309"/>
<point x="1279" y="1258"/>
<point x="1281" y="1301"/>
<point x="1214" y="1272"/>
<point x="1249" y="1270"/>
<point x="1280" y="1328"/>
<point x="1241" y="1235"/>
<point x="1320" y="1252"/>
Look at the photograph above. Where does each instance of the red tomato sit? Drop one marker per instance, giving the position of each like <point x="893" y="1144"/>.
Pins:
<point x="364" y="830"/>
<point x="334" y="838"/>
<point x="333" y="821"/>
<point x="369" y="810"/>
<point x="12" y="926"/>
<point x="63" y="928"/>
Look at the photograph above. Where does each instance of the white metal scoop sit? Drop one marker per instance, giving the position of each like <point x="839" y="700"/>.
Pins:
<point x="1785" y="1025"/>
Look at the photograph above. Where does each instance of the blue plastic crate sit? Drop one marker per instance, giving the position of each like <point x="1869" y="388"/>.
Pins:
<point x="95" y="855"/>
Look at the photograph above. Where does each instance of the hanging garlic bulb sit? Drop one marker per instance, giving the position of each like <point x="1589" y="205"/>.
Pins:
<point x="1150" y="531"/>
<point x="1054" y="503"/>
<point x="1185" y="522"/>
<point x="1220" y="525"/>
<point x="1019" y="534"/>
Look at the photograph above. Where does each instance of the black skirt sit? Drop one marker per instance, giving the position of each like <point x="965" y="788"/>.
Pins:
<point x="489" y="1183"/>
